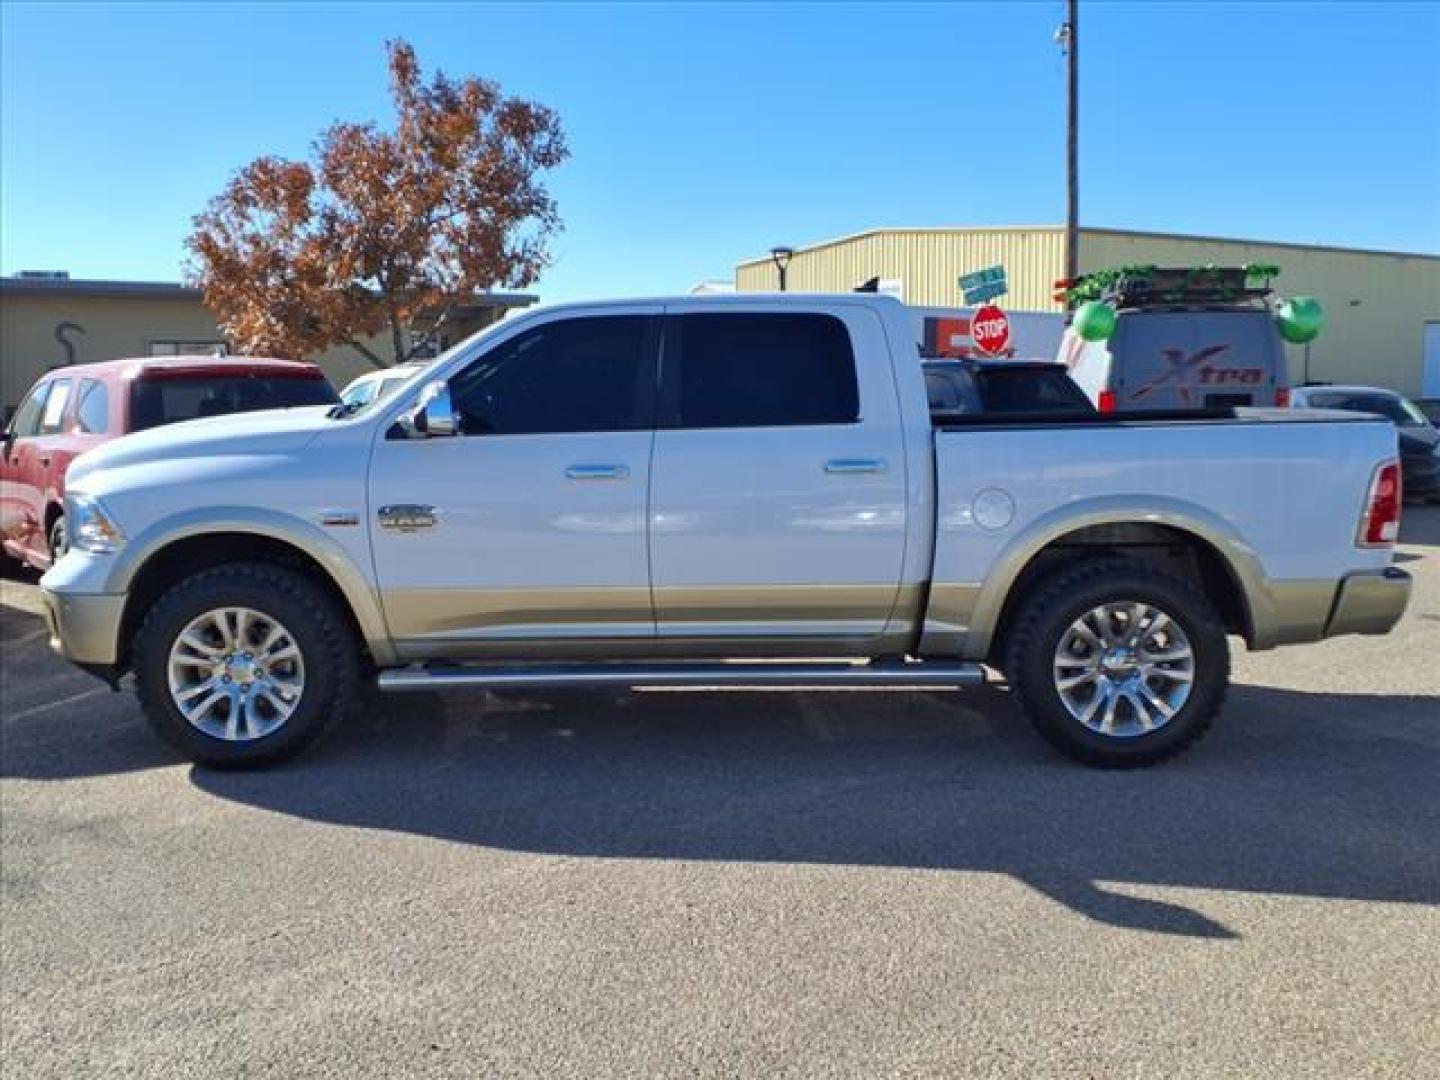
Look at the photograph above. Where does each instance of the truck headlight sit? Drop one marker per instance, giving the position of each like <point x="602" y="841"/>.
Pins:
<point x="91" y="528"/>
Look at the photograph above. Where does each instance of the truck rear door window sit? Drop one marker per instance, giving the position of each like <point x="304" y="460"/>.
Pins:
<point x="758" y="370"/>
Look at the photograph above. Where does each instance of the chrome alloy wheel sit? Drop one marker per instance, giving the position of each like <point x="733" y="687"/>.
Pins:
<point x="236" y="674"/>
<point x="1124" y="669"/>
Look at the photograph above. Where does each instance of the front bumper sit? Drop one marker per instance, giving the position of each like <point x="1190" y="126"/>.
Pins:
<point x="85" y="627"/>
<point x="1369" y="602"/>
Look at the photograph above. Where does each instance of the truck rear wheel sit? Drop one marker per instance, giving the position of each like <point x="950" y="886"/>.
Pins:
<point x="244" y="664"/>
<point x="1117" y="663"/>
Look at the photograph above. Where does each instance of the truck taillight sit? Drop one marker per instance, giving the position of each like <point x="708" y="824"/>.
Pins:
<point x="1282" y="397"/>
<point x="1380" y="524"/>
<point x="1107" y="401"/>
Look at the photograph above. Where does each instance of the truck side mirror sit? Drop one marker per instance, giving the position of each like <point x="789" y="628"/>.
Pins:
<point x="435" y="416"/>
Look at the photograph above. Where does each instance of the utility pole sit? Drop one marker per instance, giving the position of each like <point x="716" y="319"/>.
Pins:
<point x="1069" y="38"/>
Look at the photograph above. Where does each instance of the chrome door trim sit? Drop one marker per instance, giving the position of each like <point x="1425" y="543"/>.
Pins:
<point x="844" y="466"/>
<point x="598" y="472"/>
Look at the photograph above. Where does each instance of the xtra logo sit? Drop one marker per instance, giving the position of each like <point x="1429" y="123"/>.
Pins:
<point x="1186" y="372"/>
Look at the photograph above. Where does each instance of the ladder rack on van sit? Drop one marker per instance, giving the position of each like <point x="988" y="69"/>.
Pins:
<point x="1170" y="286"/>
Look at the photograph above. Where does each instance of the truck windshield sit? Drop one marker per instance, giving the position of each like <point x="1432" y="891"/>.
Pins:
<point x="154" y="402"/>
<point x="1391" y="406"/>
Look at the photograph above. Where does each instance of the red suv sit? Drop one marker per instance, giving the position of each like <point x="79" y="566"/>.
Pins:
<point x="73" y="409"/>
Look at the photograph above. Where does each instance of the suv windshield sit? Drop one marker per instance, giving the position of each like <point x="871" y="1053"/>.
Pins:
<point x="154" y="402"/>
<point x="365" y="391"/>
<point x="1391" y="406"/>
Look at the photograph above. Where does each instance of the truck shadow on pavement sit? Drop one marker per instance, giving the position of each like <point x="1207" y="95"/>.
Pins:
<point x="1297" y="794"/>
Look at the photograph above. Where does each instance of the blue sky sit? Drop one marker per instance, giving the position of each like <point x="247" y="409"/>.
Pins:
<point x="704" y="134"/>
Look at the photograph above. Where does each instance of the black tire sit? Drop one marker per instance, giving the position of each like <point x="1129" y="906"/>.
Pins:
<point x="319" y="627"/>
<point x="1048" y="612"/>
<point x="58" y="538"/>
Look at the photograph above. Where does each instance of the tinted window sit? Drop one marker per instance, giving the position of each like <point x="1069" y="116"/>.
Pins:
<point x="52" y="418"/>
<point x="164" y="401"/>
<point x="948" y="387"/>
<point x="590" y="374"/>
<point x="1030" y="390"/>
<point x="741" y="370"/>
<point x="92" y="411"/>
<point x="27" y="417"/>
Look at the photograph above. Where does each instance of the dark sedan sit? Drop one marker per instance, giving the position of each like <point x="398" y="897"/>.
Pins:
<point x="1419" y="440"/>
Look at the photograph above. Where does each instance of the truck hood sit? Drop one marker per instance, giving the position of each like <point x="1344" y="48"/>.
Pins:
<point x="271" y="431"/>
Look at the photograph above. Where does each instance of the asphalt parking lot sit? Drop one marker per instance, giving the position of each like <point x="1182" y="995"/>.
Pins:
<point x="726" y="884"/>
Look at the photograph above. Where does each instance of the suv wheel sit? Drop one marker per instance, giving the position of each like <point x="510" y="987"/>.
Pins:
<point x="244" y="664"/>
<point x="1117" y="663"/>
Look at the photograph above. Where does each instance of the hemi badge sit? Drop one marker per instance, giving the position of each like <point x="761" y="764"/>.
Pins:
<point x="339" y="517"/>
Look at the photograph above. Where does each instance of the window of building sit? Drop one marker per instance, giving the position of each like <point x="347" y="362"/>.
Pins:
<point x="588" y="374"/>
<point x="92" y="408"/>
<point x="52" y="420"/>
<point x="743" y="370"/>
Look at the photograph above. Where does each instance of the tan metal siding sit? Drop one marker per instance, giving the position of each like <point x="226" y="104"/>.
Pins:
<point x="928" y="261"/>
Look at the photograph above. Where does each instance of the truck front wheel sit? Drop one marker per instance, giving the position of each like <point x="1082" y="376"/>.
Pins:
<point x="244" y="664"/>
<point x="1117" y="663"/>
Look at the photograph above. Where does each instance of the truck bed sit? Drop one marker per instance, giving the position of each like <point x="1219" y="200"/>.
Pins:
<point x="1281" y="490"/>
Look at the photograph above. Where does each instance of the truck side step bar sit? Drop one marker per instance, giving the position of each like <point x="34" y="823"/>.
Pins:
<point x="447" y="676"/>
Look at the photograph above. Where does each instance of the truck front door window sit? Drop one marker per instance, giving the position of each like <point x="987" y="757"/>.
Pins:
<point x="584" y="374"/>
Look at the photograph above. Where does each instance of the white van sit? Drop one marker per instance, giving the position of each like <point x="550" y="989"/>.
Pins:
<point x="1182" y="342"/>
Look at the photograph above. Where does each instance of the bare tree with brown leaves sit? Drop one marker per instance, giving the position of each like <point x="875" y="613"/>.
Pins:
<point x="384" y="232"/>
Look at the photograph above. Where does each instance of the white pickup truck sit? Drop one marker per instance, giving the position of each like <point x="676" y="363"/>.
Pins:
<point x="715" y="491"/>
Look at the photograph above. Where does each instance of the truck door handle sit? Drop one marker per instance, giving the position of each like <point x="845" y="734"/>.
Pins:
<point x="598" y="472"/>
<point x="855" y="465"/>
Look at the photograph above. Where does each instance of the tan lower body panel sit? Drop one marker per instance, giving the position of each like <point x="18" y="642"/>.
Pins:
<point x="718" y="621"/>
<point x="949" y="619"/>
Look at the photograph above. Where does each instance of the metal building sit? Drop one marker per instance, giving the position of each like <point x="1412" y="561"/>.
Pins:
<point x="1382" y="307"/>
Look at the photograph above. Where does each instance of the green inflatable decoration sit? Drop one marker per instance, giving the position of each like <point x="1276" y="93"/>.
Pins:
<point x="1094" y="321"/>
<point x="1300" y="319"/>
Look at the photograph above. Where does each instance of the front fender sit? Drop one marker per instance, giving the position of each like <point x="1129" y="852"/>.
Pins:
<point x="289" y="529"/>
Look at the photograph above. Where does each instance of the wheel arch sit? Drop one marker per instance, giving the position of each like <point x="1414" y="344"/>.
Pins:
<point x="164" y="556"/>
<point x="1203" y="545"/>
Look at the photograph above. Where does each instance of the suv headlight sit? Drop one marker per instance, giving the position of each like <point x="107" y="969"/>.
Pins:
<point x="91" y="528"/>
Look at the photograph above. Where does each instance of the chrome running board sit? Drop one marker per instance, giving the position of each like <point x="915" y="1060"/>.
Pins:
<point x="898" y="674"/>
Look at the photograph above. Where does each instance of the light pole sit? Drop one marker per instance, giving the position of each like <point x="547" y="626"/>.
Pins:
<point x="780" y="256"/>
<point x="1067" y="36"/>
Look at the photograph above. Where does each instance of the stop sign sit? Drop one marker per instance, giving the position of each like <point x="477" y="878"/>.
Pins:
<point x="990" y="330"/>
